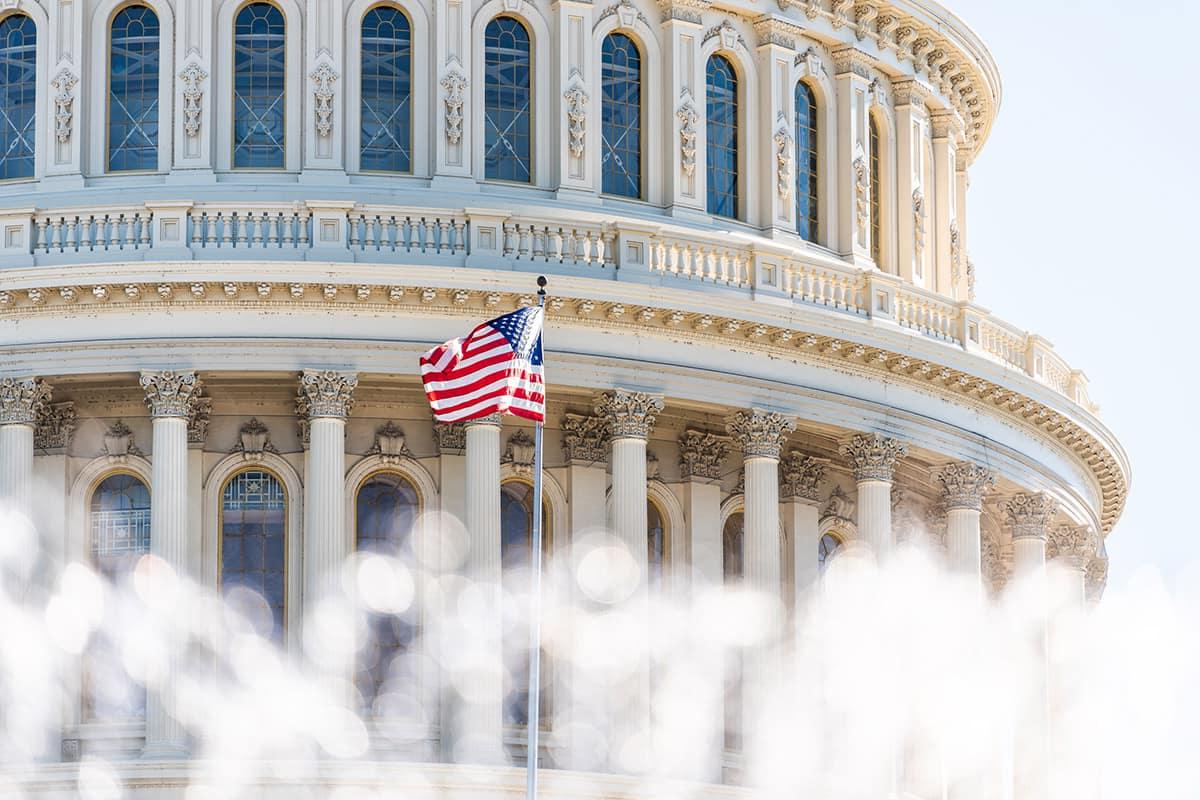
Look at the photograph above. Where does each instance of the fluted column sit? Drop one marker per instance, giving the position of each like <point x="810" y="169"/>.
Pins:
<point x="964" y="484"/>
<point x="21" y="400"/>
<point x="171" y="397"/>
<point x="873" y="457"/>
<point x="799" y="488"/>
<point x="1028" y="515"/>
<point x="480" y="715"/>
<point x="325" y="398"/>
<point x="630" y="417"/>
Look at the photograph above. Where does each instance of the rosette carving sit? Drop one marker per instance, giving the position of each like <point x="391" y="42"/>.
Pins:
<point x="760" y="434"/>
<point x="873" y="456"/>
<point x="325" y="393"/>
<point x="701" y="454"/>
<point x="630" y="415"/>
<point x="965" y="484"/>
<point x="22" y="400"/>
<point x="170" y="393"/>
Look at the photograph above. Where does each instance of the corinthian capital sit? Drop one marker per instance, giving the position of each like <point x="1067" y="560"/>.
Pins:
<point x="585" y="438"/>
<point x="22" y="399"/>
<point x="1072" y="543"/>
<point x="964" y="484"/>
<point x="170" y="393"/>
<point x="799" y="476"/>
<point x="325" y="393"/>
<point x="760" y="434"/>
<point x="630" y="414"/>
<point x="1028" y="514"/>
<point x="873" y="456"/>
<point x="701" y="454"/>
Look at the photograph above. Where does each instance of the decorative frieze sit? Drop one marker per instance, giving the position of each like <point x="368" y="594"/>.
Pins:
<point x="701" y="454"/>
<point x="389" y="444"/>
<point x="585" y="438"/>
<point x="964" y="484"/>
<point x="451" y="438"/>
<point x="800" y="476"/>
<point x="323" y="78"/>
<point x="22" y="400"/>
<point x="325" y="393"/>
<point x="873" y="456"/>
<point x="55" y="426"/>
<point x="759" y="434"/>
<point x="630" y="414"/>
<point x="170" y="393"/>
<point x="254" y="440"/>
<point x="1028" y="514"/>
<point x="192" y="76"/>
<point x="520" y="452"/>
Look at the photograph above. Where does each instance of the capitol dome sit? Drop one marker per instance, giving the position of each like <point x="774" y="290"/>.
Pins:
<point x="230" y="228"/>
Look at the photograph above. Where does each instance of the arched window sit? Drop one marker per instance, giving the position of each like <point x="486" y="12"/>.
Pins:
<point x="806" y="162"/>
<point x="516" y="535"/>
<point x="253" y="549"/>
<point x="507" y="101"/>
<point x="731" y="546"/>
<point x="386" y="507"/>
<point x="656" y="542"/>
<point x="828" y="545"/>
<point x="18" y="96"/>
<point x="133" y="90"/>
<point x="259" y="72"/>
<point x="621" y="112"/>
<point x="876" y="191"/>
<point x="119" y="525"/>
<point x="722" y="107"/>
<point x="386" y="91"/>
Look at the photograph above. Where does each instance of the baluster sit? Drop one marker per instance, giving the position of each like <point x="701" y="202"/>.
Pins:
<point x="254" y="223"/>
<point x="430" y="236"/>
<point x="196" y="234"/>
<point x="147" y="223"/>
<point x="444" y="247"/>
<point x="370" y="233"/>
<point x="610" y="249"/>
<point x="85" y="232"/>
<point x="130" y="232"/>
<point x="286" y="235"/>
<point x="538" y="236"/>
<point x="54" y="236"/>
<point x="226" y="221"/>
<point x="354" y="220"/>
<point x="41" y="235"/>
<point x="112" y="229"/>
<point x="210" y="224"/>
<point x="69" y="234"/>
<point x="274" y="220"/>
<point x="595" y="249"/>
<point x="460" y="236"/>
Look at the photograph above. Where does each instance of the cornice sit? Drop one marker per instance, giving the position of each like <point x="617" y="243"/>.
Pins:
<point x="1020" y="408"/>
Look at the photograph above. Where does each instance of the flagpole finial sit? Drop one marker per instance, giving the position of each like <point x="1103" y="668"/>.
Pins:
<point x="541" y="282"/>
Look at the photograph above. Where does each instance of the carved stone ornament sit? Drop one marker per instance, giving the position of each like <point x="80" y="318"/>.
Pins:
<point x="878" y="94"/>
<point x="1075" y="544"/>
<point x="192" y="76"/>
<point x="576" y="109"/>
<point x="323" y="78"/>
<point x="585" y="438"/>
<point x="862" y="190"/>
<point x="760" y="434"/>
<point x="63" y="84"/>
<point x="970" y="279"/>
<point x="730" y="38"/>
<point x="955" y="251"/>
<point x="451" y="437"/>
<point x="22" y="400"/>
<point x="454" y="83"/>
<point x="783" y="163"/>
<point x="520" y="452"/>
<point x="1028" y="514"/>
<point x="197" y="430"/>
<point x="630" y="415"/>
<point x="55" y="426"/>
<point x="701" y="454"/>
<point x="325" y="393"/>
<point x="684" y="10"/>
<point x="253" y="440"/>
<point x="864" y="15"/>
<point x="841" y="12"/>
<point x="118" y="443"/>
<point x="810" y="63"/>
<point x="688" y="118"/>
<point x="626" y="13"/>
<point x="170" y="393"/>
<point x="653" y="470"/>
<point x="873" y="456"/>
<point x="918" y="210"/>
<point x="1095" y="577"/>
<point x="799" y="477"/>
<point x="389" y="444"/>
<point x="839" y="506"/>
<point x="937" y="523"/>
<point x="995" y="570"/>
<point x="964" y="484"/>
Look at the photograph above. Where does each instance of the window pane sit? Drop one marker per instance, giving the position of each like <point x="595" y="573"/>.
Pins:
<point x="133" y="90"/>
<point x="731" y="539"/>
<point x="386" y="91"/>
<point x="826" y="548"/>
<point x="507" y="101"/>
<point x="806" y="162"/>
<point x="258" y="87"/>
<point x="621" y="111"/>
<point x="18" y="95"/>
<point x="722" y="108"/>
<point x="253" y="552"/>
<point x="119" y="523"/>
<point x="386" y="507"/>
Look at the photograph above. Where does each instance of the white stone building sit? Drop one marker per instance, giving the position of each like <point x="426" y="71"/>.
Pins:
<point x="229" y="228"/>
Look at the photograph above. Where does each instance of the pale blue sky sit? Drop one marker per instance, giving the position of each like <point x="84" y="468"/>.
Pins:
<point x="1083" y="223"/>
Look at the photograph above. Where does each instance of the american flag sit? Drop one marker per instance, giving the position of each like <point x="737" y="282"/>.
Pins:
<point x="496" y="368"/>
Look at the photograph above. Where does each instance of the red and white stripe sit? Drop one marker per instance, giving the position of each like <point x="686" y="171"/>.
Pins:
<point x="479" y="375"/>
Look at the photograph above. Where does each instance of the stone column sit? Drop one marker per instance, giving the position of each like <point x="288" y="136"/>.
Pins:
<point x="964" y="484"/>
<point x="171" y="397"/>
<point x="701" y="455"/>
<point x="799" y="480"/>
<point x="324" y="398"/>
<point x="439" y="635"/>
<point x="873" y="457"/>
<point x="630" y="418"/>
<point x="22" y="401"/>
<point x="1028" y="514"/>
<point x="479" y="721"/>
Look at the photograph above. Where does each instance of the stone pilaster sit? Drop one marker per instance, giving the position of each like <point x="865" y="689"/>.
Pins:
<point x="873" y="458"/>
<point x="852" y="81"/>
<point x="21" y="402"/>
<point x="683" y="67"/>
<point x="172" y="398"/>
<point x="799" y="479"/>
<point x="630" y="418"/>
<point x="964" y="485"/>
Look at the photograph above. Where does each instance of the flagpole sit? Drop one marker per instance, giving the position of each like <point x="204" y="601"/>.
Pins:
<point x="535" y="601"/>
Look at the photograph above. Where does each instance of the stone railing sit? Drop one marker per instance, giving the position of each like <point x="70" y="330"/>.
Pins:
<point x="669" y="253"/>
